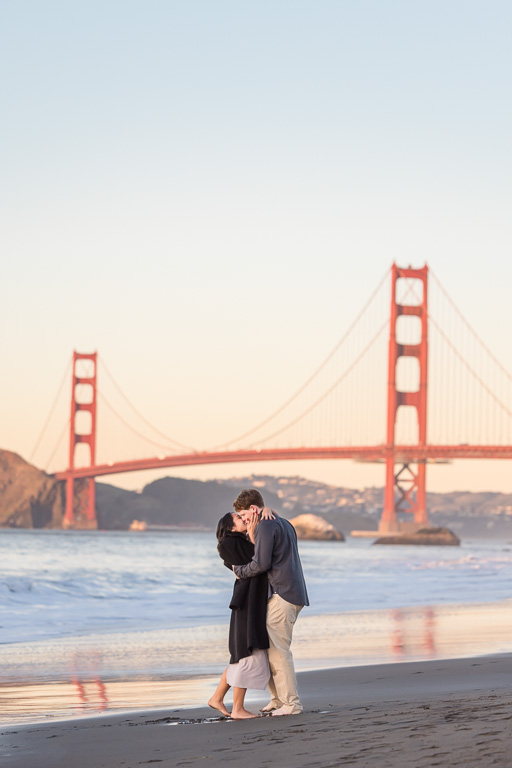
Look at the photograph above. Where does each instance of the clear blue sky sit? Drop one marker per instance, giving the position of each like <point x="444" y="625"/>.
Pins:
<point x="207" y="192"/>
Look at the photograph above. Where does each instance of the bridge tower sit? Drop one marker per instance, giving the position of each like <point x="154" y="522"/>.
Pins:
<point x="405" y="489"/>
<point x="80" y="493"/>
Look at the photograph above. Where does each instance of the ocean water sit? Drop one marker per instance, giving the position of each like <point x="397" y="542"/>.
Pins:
<point x="56" y="584"/>
<point x="92" y="622"/>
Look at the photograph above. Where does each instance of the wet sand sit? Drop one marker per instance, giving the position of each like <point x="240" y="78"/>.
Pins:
<point x="446" y="713"/>
<point x="147" y="670"/>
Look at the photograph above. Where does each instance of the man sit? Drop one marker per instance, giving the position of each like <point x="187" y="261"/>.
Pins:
<point x="276" y="553"/>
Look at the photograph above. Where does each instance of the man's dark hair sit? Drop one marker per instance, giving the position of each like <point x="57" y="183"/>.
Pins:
<point x="246" y="498"/>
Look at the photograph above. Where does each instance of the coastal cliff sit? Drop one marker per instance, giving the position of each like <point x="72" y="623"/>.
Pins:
<point x="29" y="498"/>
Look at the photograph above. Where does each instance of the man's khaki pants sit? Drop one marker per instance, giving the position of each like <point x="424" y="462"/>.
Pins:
<point x="281" y="616"/>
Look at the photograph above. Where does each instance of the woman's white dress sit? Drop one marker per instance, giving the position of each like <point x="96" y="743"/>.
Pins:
<point x="250" y="672"/>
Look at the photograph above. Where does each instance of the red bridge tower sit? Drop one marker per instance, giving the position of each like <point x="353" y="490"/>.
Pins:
<point x="80" y="493"/>
<point x="405" y="486"/>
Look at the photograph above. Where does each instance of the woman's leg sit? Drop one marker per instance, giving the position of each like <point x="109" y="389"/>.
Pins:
<point x="239" y="712"/>
<point x="217" y="700"/>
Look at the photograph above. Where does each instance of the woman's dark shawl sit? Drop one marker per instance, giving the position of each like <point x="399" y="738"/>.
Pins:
<point x="248" y="625"/>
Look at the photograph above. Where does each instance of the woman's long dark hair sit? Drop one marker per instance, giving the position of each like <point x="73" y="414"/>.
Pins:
<point x="224" y="526"/>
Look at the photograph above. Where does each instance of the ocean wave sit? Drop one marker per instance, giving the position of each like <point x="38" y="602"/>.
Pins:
<point x="471" y="561"/>
<point x="16" y="586"/>
<point x="64" y="585"/>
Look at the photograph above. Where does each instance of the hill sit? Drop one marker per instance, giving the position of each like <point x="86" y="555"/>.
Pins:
<point x="470" y="515"/>
<point x="30" y="498"/>
<point x="169" y="501"/>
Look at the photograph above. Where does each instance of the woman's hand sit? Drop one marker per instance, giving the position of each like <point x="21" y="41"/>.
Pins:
<point x="267" y="514"/>
<point x="251" y="528"/>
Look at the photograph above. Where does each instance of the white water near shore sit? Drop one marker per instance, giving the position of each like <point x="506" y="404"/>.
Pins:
<point x="57" y="584"/>
<point x="109" y="621"/>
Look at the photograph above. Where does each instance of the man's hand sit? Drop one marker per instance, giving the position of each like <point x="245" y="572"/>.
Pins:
<point x="233" y="567"/>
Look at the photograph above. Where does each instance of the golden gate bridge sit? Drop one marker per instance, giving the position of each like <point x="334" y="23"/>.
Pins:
<point x="447" y="397"/>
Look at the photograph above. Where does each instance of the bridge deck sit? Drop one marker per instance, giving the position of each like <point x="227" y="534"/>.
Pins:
<point x="402" y="454"/>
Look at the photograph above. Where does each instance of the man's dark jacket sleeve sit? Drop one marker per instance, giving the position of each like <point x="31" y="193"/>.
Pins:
<point x="262" y="558"/>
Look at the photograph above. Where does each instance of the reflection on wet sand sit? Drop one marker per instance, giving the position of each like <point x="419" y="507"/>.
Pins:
<point x="408" y="634"/>
<point x="87" y="694"/>
<point x="92" y="693"/>
<point x="62" y="700"/>
<point x="85" y="676"/>
<point x="400" y="641"/>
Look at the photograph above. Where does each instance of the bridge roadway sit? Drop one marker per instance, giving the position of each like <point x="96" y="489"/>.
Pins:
<point x="401" y="453"/>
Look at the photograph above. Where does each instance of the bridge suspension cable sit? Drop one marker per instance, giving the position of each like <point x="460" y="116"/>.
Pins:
<point x="474" y="408"/>
<point x="50" y="413"/>
<point x="470" y="369"/>
<point x="470" y="328"/>
<point x="132" y="429"/>
<point x="57" y="444"/>
<point x="329" y="390"/>
<point x="169" y="440"/>
<point x="313" y="376"/>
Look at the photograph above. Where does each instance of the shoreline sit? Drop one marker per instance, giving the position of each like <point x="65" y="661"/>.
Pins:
<point x="151" y="670"/>
<point x="381" y="714"/>
<point x="186" y="694"/>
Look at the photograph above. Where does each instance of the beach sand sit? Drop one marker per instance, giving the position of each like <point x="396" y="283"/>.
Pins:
<point x="429" y="713"/>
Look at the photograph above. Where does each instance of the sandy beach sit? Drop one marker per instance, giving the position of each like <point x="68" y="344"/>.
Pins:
<point x="424" y="684"/>
<point x="429" y="713"/>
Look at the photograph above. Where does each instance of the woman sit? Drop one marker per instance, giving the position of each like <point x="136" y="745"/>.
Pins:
<point x="248" y="639"/>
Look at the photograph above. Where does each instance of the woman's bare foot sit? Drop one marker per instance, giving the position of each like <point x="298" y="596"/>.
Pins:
<point x="219" y="706"/>
<point x="242" y="714"/>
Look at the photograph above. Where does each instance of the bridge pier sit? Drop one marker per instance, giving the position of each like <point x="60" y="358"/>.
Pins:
<point x="80" y="511"/>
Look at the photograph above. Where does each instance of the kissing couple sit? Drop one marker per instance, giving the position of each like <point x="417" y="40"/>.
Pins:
<point x="269" y="592"/>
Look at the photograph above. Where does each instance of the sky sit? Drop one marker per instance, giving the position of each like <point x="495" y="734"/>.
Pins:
<point x="207" y="193"/>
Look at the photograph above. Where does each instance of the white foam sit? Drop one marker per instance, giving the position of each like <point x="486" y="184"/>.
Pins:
<point x="55" y="584"/>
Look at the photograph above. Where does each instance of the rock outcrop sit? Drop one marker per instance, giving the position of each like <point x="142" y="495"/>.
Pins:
<point x="29" y="498"/>
<point x="424" y="537"/>
<point x="315" y="528"/>
<point x="138" y="525"/>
